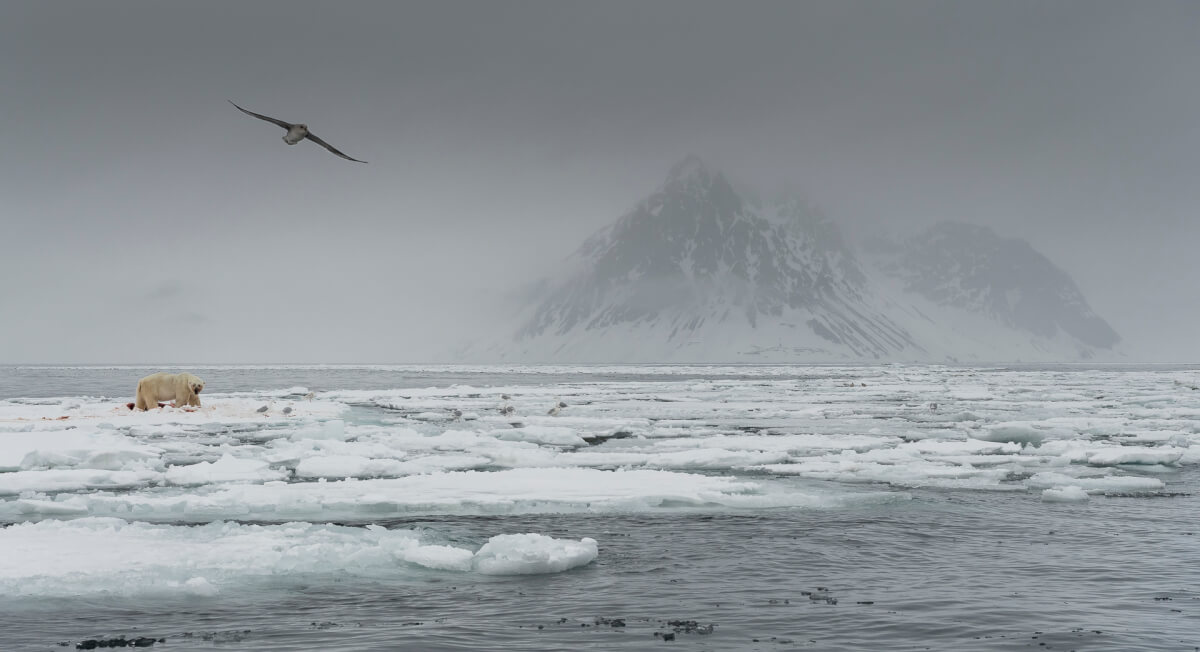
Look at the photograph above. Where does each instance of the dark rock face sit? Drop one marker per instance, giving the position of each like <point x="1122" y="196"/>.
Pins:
<point x="970" y="267"/>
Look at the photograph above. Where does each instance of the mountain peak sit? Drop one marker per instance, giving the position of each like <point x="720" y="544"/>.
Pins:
<point x="691" y="185"/>
<point x="689" y="166"/>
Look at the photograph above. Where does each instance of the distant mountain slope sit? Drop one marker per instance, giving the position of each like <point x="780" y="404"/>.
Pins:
<point x="696" y="263"/>
<point x="700" y="271"/>
<point x="970" y="267"/>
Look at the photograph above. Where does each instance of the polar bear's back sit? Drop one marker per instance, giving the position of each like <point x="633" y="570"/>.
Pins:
<point x="160" y="377"/>
<point x="162" y="386"/>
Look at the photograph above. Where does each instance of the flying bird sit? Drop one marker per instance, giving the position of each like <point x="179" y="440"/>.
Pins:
<point x="296" y="133"/>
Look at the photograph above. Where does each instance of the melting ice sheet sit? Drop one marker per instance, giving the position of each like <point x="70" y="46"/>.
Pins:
<point x="113" y="556"/>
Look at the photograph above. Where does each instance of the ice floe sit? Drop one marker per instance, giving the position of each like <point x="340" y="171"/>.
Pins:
<point x="226" y="469"/>
<point x="631" y="438"/>
<point x="531" y="554"/>
<point x="114" y="556"/>
<point x="513" y="491"/>
<point x="1071" y="494"/>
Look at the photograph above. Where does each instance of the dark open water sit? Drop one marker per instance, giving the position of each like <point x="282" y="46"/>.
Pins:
<point x="964" y="571"/>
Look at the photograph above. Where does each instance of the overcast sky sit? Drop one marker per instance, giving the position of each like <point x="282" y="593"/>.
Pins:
<point x="144" y="219"/>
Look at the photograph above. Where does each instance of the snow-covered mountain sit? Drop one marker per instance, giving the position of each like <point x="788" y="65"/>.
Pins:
<point x="702" y="271"/>
<point x="970" y="268"/>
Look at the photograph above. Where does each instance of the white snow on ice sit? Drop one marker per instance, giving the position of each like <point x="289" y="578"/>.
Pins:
<point x="143" y="491"/>
<point x="115" y="556"/>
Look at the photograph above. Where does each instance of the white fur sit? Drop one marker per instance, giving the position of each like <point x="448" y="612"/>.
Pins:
<point x="181" y="388"/>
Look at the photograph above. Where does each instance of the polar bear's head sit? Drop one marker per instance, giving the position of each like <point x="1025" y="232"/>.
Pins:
<point x="194" y="383"/>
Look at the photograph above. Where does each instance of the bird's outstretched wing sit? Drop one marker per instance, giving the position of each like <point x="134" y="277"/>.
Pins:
<point x="331" y="148"/>
<point x="281" y="123"/>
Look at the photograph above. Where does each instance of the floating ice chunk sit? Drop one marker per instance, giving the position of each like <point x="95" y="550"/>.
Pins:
<point x="125" y="458"/>
<point x="74" y="480"/>
<point x="446" y="558"/>
<point x="334" y="429"/>
<point x="86" y="447"/>
<point x="1018" y="432"/>
<point x="47" y="508"/>
<point x="411" y="550"/>
<point x="93" y="556"/>
<point x="1152" y="437"/>
<point x="549" y="435"/>
<point x="1098" y="484"/>
<point x="797" y="443"/>
<point x="894" y="468"/>
<point x="531" y="554"/>
<point x="526" y="490"/>
<point x="443" y="463"/>
<point x="226" y="469"/>
<point x="705" y="458"/>
<point x="346" y="466"/>
<point x="1071" y="494"/>
<point x="1191" y="455"/>
<point x="200" y="586"/>
<point x="369" y="443"/>
<point x="1067" y="450"/>
<point x="531" y="455"/>
<point x="952" y="417"/>
<point x="1148" y="468"/>
<point x="1115" y="455"/>
<point x="473" y="442"/>
<point x="966" y="447"/>
<point x="713" y="458"/>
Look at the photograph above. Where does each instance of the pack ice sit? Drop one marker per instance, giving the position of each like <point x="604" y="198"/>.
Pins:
<point x="84" y="474"/>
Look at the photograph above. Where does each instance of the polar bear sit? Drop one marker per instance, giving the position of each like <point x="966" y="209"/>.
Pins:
<point x="182" y="388"/>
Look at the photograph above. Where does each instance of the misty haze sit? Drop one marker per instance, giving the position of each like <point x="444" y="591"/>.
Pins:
<point x="531" y="325"/>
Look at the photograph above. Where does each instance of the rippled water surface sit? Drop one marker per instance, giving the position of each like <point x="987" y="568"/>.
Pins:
<point x="899" y="508"/>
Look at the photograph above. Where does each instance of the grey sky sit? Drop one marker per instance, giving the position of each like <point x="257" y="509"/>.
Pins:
<point x="147" y="220"/>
